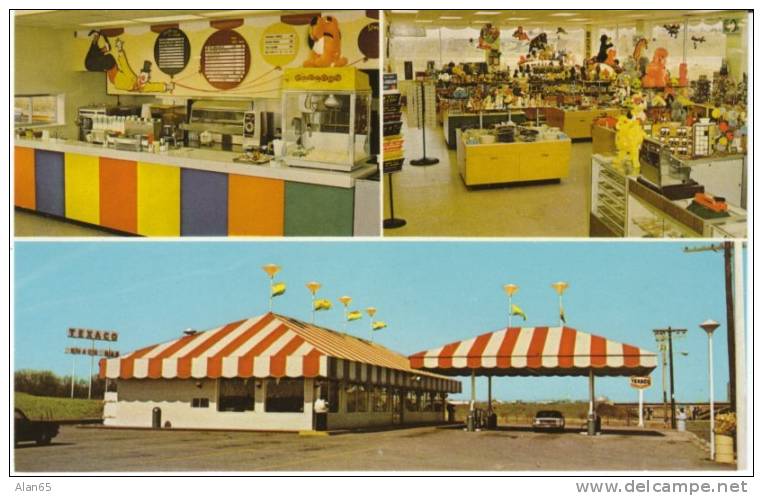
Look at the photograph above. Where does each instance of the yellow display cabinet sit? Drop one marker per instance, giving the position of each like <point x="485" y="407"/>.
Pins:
<point x="499" y="163"/>
<point x="577" y="124"/>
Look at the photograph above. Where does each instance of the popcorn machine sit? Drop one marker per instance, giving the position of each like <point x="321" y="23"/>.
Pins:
<point x="326" y="118"/>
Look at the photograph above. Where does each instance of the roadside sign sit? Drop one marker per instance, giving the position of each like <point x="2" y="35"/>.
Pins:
<point x="94" y="334"/>
<point x="92" y="352"/>
<point x="641" y="382"/>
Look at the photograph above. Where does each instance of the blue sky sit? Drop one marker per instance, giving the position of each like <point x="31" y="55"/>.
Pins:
<point x="429" y="293"/>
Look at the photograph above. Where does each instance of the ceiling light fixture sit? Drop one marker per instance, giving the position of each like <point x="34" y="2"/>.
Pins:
<point x="236" y="13"/>
<point x="107" y="23"/>
<point x="172" y="18"/>
<point x="517" y="18"/>
<point x="563" y="14"/>
<point x="486" y="13"/>
<point x="450" y="18"/>
<point x="404" y="11"/>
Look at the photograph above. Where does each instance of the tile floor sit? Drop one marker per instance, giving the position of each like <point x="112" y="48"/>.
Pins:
<point x="28" y="224"/>
<point x="435" y="202"/>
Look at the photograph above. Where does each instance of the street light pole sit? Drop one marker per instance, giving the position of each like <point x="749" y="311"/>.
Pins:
<point x="672" y="383"/>
<point x="662" y="335"/>
<point x="709" y="326"/>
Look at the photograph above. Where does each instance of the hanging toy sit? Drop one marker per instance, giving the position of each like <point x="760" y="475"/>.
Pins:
<point x="672" y="29"/>
<point x="697" y="40"/>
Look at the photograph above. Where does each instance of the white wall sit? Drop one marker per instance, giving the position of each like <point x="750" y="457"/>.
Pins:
<point x="137" y="399"/>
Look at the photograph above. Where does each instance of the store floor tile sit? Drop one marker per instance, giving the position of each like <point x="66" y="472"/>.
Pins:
<point x="435" y="202"/>
<point x="28" y="224"/>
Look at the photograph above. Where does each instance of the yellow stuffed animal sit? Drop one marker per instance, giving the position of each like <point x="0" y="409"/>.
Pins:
<point x="628" y="141"/>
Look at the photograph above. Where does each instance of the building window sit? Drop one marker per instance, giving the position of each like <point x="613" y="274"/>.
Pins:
<point x="200" y="403"/>
<point x="38" y="110"/>
<point x="357" y="398"/>
<point x="413" y="401"/>
<point x="236" y="395"/>
<point x="285" y="395"/>
<point x="380" y="399"/>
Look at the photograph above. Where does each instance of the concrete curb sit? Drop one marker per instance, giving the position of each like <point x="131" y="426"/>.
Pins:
<point x="699" y="442"/>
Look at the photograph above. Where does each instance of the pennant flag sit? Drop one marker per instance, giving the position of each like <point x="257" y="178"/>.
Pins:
<point x="278" y="289"/>
<point x="515" y="310"/>
<point x="561" y="315"/>
<point x="378" y="325"/>
<point x="322" y="304"/>
<point x="354" y="315"/>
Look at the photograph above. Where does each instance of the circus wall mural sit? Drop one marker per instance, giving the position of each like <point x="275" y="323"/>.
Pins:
<point x="236" y="57"/>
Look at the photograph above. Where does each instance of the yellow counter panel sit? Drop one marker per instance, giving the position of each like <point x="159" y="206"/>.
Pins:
<point x="158" y="200"/>
<point x="82" y="188"/>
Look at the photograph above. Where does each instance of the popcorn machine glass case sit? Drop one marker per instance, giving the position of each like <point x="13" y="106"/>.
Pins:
<point x="326" y="118"/>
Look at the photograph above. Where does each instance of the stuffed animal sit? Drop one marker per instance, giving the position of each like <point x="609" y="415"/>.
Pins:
<point x="520" y="34"/>
<point x="656" y="74"/>
<point x="611" y="57"/>
<point x="637" y="106"/>
<point x="604" y="45"/>
<point x="628" y="138"/>
<point x="538" y="44"/>
<point x="325" y="40"/>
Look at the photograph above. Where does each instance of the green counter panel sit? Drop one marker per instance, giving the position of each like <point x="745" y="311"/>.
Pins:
<point x="318" y="210"/>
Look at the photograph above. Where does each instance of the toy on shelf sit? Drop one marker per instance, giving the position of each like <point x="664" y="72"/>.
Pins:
<point x="604" y="45"/>
<point x="656" y="73"/>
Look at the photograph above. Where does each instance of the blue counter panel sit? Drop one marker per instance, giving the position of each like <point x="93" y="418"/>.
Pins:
<point x="203" y="203"/>
<point x="49" y="182"/>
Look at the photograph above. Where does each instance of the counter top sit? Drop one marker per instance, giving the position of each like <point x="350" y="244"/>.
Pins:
<point x="207" y="160"/>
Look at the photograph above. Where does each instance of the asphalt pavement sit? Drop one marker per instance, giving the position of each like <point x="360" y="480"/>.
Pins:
<point x="98" y="449"/>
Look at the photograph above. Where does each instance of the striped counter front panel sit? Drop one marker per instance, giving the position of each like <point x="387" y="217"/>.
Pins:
<point x="162" y="200"/>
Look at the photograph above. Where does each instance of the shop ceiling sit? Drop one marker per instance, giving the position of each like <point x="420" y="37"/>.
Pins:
<point x="463" y="18"/>
<point x="82" y="19"/>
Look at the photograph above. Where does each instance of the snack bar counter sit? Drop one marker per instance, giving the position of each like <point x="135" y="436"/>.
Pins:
<point x="186" y="192"/>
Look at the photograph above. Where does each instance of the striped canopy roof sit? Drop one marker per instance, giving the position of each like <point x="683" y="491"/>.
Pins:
<point x="272" y="345"/>
<point x="530" y="351"/>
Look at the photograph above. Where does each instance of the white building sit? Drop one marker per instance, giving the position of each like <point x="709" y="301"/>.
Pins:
<point x="265" y="373"/>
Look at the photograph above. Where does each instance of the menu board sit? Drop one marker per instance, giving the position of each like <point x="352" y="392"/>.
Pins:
<point x="225" y="59"/>
<point x="279" y="44"/>
<point x="172" y="50"/>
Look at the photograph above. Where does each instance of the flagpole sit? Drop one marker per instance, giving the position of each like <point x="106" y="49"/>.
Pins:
<point x="560" y="288"/>
<point x="371" y="311"/>
<point x="345" y="300"/>
<point x="511" y="310"/>
<point x="510" y="289"/>
<point x="313" y="287"/>
<point x="271" y="270"/>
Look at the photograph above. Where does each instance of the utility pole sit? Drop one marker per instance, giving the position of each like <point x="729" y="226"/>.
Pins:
<point x="728" y="257"/>
<point x="663" y="335"/>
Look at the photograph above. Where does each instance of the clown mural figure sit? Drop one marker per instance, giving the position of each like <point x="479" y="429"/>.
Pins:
<point x="101" y="58"/>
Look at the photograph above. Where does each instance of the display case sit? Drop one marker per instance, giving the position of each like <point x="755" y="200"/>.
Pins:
<point x="326" y="118"/>
<point x="651" y="215"/>
<point x="609" y="194"/>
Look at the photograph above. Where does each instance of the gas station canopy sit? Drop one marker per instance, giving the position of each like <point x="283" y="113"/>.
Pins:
<point x="536" y="351"/>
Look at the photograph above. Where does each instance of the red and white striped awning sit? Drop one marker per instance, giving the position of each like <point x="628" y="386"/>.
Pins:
<point x="273" y="346"/>
<point x="530" y="351"/>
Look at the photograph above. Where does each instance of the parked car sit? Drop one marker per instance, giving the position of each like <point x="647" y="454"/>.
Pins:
<point x="548" y="420"/>
<point x="40" y="431"/>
